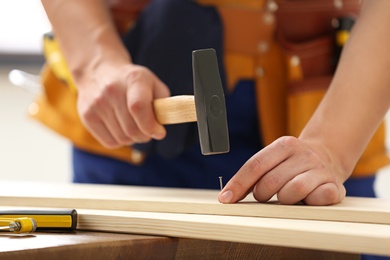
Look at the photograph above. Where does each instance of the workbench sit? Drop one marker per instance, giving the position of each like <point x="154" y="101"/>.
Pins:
<point x="99" y="245"/>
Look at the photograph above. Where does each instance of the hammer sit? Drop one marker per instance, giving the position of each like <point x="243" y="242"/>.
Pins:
<point x="207" y="106"/>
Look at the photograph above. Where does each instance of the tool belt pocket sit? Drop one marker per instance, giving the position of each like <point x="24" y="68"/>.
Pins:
<point x="307" y="38"/>
<point x="310" y="66"/>
<point x="303" y="97"/>
<point x="309" y="73"/>
<point x="304" y="20"/>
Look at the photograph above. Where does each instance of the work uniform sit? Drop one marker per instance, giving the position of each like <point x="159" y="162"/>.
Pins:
<point x="265" y="68"/>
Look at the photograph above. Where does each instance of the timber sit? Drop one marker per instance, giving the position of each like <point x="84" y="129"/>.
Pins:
<point x="357" y="225"/>
<point x="173" y="200"/>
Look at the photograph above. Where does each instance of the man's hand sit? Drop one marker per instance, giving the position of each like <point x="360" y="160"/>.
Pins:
<point x="115" y="104"/>
<point x="291" y="169"/>
<point x="114" y="96"/>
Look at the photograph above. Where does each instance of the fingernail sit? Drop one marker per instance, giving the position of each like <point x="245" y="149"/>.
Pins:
<point x="227" y="196"/>
<point x="159" y="135"/>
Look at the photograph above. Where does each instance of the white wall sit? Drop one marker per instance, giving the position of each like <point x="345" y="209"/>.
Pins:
<point x="22" y="23"/>
<point x="28" y="150"/>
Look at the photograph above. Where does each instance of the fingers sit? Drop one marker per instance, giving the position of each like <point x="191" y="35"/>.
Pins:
<point x="98" y="129"/>
<point x="326" y="194"/>
<point x="127" y="125"/>
<point x="298" y="188"/>
<point x="120" y="113"/>
<point x="276" y="179"/>
<point x="292" y="179"/>
<point x="289" y="169"/>
<point x="100" y="119"/>
<point x="139" y="105"/>
<point x="251" y="172"/>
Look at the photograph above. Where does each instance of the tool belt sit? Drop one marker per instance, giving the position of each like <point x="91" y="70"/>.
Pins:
<point x="285" y="46"/>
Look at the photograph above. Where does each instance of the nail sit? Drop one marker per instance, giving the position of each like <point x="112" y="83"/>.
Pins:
<point x="227" y="196"/>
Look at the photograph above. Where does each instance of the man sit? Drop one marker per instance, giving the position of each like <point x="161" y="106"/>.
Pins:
<point x="115" y="96"/>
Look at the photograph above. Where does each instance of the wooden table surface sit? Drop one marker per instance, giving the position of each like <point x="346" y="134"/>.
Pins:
<point x="99" y="245"/>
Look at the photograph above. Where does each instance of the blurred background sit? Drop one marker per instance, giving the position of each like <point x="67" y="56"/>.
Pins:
<point x="29" y="151"/>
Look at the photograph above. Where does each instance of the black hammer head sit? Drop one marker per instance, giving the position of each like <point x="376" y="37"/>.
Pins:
<point x="209" y="103"/>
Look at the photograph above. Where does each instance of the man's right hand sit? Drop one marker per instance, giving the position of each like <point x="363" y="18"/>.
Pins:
<point x="114" y="96"/>
<point x="115" y="104"/>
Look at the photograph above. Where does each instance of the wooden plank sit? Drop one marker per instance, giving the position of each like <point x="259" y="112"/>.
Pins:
<point x="168" y="200"/>
<point x="343" y="237"/>
<point x="304" y="234"/>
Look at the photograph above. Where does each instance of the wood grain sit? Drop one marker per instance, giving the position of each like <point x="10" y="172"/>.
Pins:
<point x="168" y="200"/>
<point x="304" y="234"/>
<point x="354" y="238"/>
<point x="358" y="225"/>
<point x="99" y="245"/>
<point x="175" y="110"/>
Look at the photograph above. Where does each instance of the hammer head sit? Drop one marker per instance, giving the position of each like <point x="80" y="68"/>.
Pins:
<point x="209" y="103"/>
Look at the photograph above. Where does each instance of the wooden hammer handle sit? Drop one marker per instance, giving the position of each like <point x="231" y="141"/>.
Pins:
<point x="175" y="110"/>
